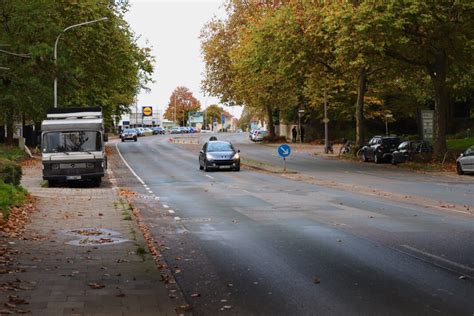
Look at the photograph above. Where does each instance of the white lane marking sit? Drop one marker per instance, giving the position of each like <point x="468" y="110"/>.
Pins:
<point x="157" y="198"/>
<point x="438" y="258"/>
<point x="165" y="206"/>
<point x="210" y="177"/>
<point x="171" y="211"/>
<point x="177" y="218"/>
<point x="150" y="191"/>
<point x="130" y="168"/>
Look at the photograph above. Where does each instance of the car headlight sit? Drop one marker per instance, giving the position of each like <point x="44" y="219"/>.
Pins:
<point x="236" y="156"/>
<point x="209" y="157"/>
<point x="90" y="165"/>
<point x="55" y="166"/>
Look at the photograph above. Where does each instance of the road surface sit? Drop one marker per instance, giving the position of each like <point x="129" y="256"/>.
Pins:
<point x="256" y="243"/>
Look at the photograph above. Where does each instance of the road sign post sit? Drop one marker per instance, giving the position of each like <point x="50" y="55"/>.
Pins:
<point x="284" y="151"/>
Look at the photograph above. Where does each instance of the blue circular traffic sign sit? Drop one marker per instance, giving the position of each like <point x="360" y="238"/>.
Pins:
<point x="284" y="150"/>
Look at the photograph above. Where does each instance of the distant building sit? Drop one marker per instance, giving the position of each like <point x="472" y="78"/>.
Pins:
<point x="135" y="117"/>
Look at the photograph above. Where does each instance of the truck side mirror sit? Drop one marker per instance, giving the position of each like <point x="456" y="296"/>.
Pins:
<point x="106" y="137"/>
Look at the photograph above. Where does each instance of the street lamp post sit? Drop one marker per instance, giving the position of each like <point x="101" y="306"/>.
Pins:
<point x="387" y="116"/>
<point x="326" y="121"/>
<point x="55" y="58"/>
<point x="300" y="112"/>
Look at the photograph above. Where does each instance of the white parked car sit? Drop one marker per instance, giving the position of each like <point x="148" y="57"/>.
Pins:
<point x="252" y="134"/>
<point x="259" y="135"/>
<point x="465" y="162"/>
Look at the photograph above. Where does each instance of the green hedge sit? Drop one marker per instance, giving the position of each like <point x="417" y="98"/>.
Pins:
<point x="10" y="172"/>
<point x="11" y="153"/>
<point x="10" y="195"/>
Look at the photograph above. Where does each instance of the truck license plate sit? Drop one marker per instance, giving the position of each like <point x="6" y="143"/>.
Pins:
<point x="73" y="177"/>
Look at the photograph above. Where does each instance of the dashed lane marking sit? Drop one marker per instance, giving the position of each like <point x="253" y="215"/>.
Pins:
<point x="165" y="206"/>
<point x="210" y="177"/>
<point x="171" y="211"/>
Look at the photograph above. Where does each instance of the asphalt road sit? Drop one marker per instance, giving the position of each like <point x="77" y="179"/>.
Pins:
<point x="254" y="243"/>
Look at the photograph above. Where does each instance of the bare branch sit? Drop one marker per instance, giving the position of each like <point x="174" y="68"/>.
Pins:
<point x="28" y="55"/>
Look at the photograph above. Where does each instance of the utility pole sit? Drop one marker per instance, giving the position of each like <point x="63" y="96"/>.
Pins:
<point x="326" y="121"/>
<point x="174" y="112"/>
<point x="55" y="56"/>
<point x="300" y="112"/>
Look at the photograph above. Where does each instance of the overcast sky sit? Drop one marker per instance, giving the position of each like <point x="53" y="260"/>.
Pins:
<point x="172" y="29"/>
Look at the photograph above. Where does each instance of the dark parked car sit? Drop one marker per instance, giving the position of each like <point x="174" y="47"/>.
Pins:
<point x="407" y="150"/>
<point x="129" y="134"/>
<point x="158" y="130"/>
<point x="380" y="148"/>
<point x="219" y="155"/>
<point x="465" y="162"/>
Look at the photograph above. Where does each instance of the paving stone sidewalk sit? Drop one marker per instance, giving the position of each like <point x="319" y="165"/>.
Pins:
<point x="62" y="266"/>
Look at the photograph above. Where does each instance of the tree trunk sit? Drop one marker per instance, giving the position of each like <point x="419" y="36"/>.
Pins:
<point x="271" y="125"/>
<point x="438" y="78"/>
<point x="359" y="113"/>
<point x="10" y="121"/>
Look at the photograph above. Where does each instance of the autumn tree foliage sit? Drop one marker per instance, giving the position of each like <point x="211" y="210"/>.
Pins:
<point x="100" y="64"/>
<point x="181" y="102"/>
<point x="369" y="58"/>
<point x="213" y="114"/>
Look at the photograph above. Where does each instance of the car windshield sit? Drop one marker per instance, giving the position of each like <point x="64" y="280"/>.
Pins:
<point x="129" y="130"/>
<point x="219" y="146"/>
<point x="56" y="142"/>
<point x="469" y="151"/>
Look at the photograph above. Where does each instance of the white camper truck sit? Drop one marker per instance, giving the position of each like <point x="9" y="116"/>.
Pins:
<point x="72" y="145"/>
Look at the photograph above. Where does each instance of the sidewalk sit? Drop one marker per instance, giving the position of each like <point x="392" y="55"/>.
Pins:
<point x="81" y="254"/>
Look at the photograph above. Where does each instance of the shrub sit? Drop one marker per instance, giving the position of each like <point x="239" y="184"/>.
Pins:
<point x="10" y="172"/>
<point x="274" y="139"/>
<point x="10" y="195"/>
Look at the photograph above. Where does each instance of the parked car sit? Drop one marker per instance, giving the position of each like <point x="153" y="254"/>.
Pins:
<point x="465" y="162"/>
<point x="407" y="150"/>
<point x="158" y="130"/>
<point x="147" y="131"/>
<point x="380" y="148"/>
<point x="183" y="130"/>
<point x="252" y="134"/>
<point x="140" y="131"/>
<point x="259" y="135"/>
<point x="219" y="155"/>
<point x="175" y="130"/>
<point x="129" y="134"/>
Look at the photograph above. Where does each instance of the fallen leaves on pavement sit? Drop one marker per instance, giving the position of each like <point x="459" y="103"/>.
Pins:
<point x="96" y="286"/>
<point x="17" y="219"/>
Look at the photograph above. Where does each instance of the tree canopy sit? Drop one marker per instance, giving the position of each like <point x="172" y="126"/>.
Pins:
<point x="181" y="102"/>
<point x="371" y="59"/>
<point x="98" y="64"/>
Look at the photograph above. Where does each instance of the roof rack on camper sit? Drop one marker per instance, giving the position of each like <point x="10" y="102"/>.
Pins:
<point x="75" y="113"/>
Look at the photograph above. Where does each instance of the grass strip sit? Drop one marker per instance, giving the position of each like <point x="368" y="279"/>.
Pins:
<point x="265" y="166"/>
<point x="460" y="144"/>
<point x="11" y="153"/>
<point x="10" y="195"/>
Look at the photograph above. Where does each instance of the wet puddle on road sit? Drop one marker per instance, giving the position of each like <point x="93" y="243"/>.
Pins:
<point x="94" y="237"/>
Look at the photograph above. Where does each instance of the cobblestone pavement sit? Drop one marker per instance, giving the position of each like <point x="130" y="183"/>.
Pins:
<point x="81" y="254"/>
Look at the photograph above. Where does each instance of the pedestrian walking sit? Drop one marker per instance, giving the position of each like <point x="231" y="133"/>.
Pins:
<point x="294" y="134"/>
<point x="302" y="134"/>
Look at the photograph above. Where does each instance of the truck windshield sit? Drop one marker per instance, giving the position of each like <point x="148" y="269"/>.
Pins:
<point x="56" y="142"/>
